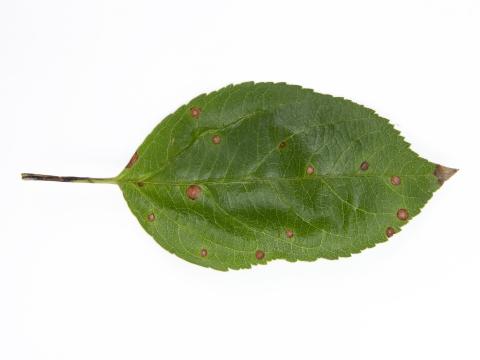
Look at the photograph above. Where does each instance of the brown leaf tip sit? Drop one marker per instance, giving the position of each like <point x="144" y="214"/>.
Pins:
<point x="132" y="161"/>
<point x="203" y="252"/>
<point x="402" y="214"/>
<point x="443" y="173"/>
<point x="193" y="192"/>
<point x="395" y="180"/>
<point x="289" y="233"/>
<point x="216" y="139"/>
<point x="195" y="112"/>
<point x="259" y="254"/>
<point x="390" y="231"/>
<point x="364" y="166"/>
<point x="151" y="217"/>
<point x="310" y="170"/>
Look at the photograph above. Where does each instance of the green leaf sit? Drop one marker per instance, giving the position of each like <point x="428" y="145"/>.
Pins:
<point x="256" y="172"/>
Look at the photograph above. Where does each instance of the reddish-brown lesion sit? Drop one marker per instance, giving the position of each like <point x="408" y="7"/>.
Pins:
<point x="216" y="139"/>
<point x="151" y="217"/>
<point x="193" y="192"/>
<point x="364" y="166"/>
<point x="402" y="214"/>
<point x="390" y="231"/>
<point x="395" y="180"/>
<point x="260" y="254"/>
<point x="133" y="160"/>
<point x="195" y="112"/>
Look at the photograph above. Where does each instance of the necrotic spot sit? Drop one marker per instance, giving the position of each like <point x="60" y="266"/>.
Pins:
<point x="195" y="112"/>
<point x="259" y="254"/>
<point x="395" y="180"/>
<point x="216" y="139"/>
<point x="193" y="192"/>
<point x="390" y="231"/>
<point x="402" y="214"/>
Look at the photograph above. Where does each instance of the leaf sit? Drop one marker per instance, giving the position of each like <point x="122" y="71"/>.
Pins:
<point x="256" y="172"/>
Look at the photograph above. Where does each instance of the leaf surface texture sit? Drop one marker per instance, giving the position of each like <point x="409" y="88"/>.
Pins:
<point x="262" y="171"/>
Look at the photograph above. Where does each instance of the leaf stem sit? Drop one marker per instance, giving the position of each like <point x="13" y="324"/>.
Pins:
<point x="28" y="176"/>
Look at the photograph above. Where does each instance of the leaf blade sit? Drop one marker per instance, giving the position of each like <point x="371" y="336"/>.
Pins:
<point x="273" y="160"/>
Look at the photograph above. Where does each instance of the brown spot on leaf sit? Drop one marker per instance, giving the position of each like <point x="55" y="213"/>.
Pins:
<point x="203" y="252"/>
<point x="195" y="112"/>
<point x="282" y="145"/>
<point x="364" y="166"/>
<point x="402" y="214"/>
<point x="140" y="184"/>
<point x="310" y="170"/>
<point x="443" y="173"/>
<point x="216" y="139"/>
<point x="390" y="231"/>
<point x="132" y="161"/>
<point x="193" y="192"/>
<point x="395" y="180"/>
<point x="259" y="254"/>
<point x="289" y="233"/>
<point x="151" y="217"/>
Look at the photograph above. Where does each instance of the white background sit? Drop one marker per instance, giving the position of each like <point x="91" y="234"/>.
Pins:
<point x="83" y="82"/>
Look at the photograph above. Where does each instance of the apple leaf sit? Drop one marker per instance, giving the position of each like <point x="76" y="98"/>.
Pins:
<point x="262" y="171"/>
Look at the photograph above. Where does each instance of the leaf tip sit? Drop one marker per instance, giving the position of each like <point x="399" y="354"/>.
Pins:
<point x="443" y="173"/>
